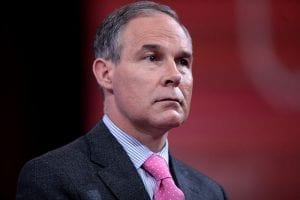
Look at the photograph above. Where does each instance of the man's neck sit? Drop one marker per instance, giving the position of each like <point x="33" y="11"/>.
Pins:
<point x="154" y="139"/>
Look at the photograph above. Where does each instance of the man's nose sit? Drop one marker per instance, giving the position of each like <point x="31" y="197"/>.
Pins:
<point x="172" y="76"/>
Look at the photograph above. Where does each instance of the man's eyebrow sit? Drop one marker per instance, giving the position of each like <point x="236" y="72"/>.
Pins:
<point x="186" y="54"/>
<point x="152" y="47"/>
<point x="156" y="47"/>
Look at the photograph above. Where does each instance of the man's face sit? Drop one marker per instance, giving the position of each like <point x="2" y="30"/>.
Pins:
<point x="152" y="83"/>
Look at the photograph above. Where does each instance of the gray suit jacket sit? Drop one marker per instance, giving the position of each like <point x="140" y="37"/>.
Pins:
<point x="96" y="167"/>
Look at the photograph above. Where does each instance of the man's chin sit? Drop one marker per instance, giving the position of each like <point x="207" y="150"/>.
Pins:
<point x="169" y="122"/>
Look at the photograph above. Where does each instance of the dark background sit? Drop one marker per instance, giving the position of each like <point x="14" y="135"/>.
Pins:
<point x="40" y="82"/>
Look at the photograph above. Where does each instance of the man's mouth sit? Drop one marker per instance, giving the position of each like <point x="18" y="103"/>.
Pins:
<point x="171" y="100"/>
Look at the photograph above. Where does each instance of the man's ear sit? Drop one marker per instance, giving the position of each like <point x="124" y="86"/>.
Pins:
<point x="103" y="70"/>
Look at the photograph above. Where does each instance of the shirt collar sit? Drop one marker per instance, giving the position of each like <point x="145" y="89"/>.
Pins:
<point x="137" y="152"/>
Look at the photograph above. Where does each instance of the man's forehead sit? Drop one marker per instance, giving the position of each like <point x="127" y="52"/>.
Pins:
<point x="155" y="28"/>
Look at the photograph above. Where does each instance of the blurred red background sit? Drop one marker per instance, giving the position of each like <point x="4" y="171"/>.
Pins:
<point x="243" y="129"/>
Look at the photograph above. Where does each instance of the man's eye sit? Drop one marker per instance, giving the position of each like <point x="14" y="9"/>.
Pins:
<point x="151" y="58"/>
<point x="183" y="62"/>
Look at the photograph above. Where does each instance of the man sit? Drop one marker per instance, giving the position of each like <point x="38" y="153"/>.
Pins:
<point x="144" y="67"/>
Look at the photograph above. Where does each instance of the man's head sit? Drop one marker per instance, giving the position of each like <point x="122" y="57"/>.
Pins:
<point x="144" y="66"/>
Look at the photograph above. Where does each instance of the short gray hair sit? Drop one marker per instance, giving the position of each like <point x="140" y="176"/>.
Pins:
<point x="107" y="42"/>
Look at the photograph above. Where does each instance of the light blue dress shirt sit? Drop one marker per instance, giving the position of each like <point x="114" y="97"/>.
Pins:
<point x="137" y="152"/>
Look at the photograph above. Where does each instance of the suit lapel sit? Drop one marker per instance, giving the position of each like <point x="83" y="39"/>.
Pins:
<point x="182" y="181"/>
<point x="116" y="169"/>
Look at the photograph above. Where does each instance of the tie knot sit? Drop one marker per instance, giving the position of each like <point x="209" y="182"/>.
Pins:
<point x="157" y="167"/>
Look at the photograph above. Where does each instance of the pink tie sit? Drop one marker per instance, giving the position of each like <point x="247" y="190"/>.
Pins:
<point x="165" y="186"/>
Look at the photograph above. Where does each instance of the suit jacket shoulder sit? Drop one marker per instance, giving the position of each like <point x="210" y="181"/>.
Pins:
<point x="93" y="167"/>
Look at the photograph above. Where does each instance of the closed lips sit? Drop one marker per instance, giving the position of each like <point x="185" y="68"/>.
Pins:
<point x="170" y="99"/>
